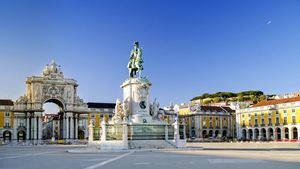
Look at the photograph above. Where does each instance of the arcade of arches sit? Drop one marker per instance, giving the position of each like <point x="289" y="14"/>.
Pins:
<point x="276" y="134"/>
<point x="24" y="119"/>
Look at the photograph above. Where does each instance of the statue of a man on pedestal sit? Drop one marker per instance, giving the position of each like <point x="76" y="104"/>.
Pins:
<point x="135" y="61"/>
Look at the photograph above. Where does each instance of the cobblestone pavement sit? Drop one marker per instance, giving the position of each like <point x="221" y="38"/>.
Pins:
<point x="56" y="157"/>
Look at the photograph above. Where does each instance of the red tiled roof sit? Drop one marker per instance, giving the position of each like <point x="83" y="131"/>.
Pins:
<point x="216" y="108"/>
<point x="277" y="101"/>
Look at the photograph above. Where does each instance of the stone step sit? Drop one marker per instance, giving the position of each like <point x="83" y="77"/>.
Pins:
<point x="149" y="144"/>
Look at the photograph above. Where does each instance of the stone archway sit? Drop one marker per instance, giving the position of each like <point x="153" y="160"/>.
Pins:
<point x="81" y="134"/>
<point x="271" y="134"/>
<point x="263" y="134"/>
<point x="256" y="134"/>
<point x="250" y="132"/>
<point x="54" y="122"/>
<point x="294" y="133"/>
<point x="21" y="135"/>
<point x="210" y="133"/>
<point x="286" y="133"/>
<point x="7" y="136"/>
<point x="51" y="86"/>
<point x="244" y="134"/>
<point x="224" y="133"/>
<point x="216" y="133"/>
<point x="204" y="134"/>
<point x="278" y="133"/>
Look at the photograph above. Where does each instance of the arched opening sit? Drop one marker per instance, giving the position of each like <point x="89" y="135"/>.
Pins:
<point x="210" y="133"/>
<point x="53" y="120"/>
<point x="295" y="133"/>
<point x="204" y="134"/>
<point x="278" y="133"/>
<point x="58" y="104"/>
<point x="6" y="136"/>
<point x="286" y="133"/>
<point x="263" y="134"/>
<point x="244" y="134"/>
<point x="217" y="133"/>
<point x="193" y="133"/>
<point x="271" y="134"/>
<point x="21" y="135"/>
<point x="250" y="134"/>
<point x="224" y="134"/>
<point x="81" y="134"/>
<point x="256" y="134"/>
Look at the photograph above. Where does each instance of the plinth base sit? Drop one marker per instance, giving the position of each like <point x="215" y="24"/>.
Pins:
<point x="141" y="118"/>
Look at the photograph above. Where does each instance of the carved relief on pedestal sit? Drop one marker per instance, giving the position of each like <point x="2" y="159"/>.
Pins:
<point x="143" y="91"/>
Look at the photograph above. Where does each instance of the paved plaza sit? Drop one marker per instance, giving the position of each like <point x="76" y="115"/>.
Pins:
<point x="56" y="157"/>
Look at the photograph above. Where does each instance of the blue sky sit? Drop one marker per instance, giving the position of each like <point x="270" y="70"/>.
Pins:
<point x="190" y="47"/>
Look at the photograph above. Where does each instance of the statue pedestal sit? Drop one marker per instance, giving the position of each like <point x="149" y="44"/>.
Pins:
<point x="136" y="96"/>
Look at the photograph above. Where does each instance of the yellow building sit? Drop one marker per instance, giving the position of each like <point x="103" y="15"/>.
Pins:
<point x="270" y="120"/>
<point x="208" y="122"/>
<point x="6" y="120"/>
<point x="100" y="112"/>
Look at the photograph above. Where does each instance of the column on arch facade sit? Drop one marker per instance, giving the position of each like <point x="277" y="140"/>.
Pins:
<point x="67" y="126"/>
<point x="64" y="126"/>
<point x="40" y="125"/>
<point x="27" y="126"/>
<point x="15" y="127"/>
<point x="34" y="127"/>
<point x="76" y="126"/>
<point x="72" y="126"/>
<point x="37" y="125"/>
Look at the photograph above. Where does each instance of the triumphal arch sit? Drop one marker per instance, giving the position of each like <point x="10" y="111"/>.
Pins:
<point x="52" y="87"/>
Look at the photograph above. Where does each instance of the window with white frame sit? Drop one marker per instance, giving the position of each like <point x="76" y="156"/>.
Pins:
<point x="7" y="123"/>
<point x="285" y="120"/>
<point x="6" y="114"/>
<point x="294" y="119"/>
<point x="277" y="120"/>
